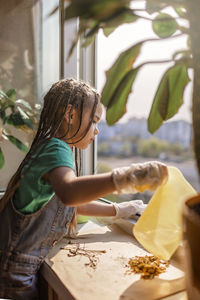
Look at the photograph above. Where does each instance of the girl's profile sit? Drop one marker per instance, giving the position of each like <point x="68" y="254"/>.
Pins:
<point x="42" y="198"/>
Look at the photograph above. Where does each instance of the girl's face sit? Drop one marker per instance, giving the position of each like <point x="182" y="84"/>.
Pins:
<point x="91" y="133"/>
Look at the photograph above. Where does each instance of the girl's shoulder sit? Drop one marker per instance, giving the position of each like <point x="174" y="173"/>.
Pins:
<point x="49" y="154"/>
<point x="55" y="143"/>
<point x="51" y="149"/>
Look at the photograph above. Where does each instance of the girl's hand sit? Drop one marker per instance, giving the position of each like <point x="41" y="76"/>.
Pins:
<point x="140" y="177"/>
<point x="129" y="209"/>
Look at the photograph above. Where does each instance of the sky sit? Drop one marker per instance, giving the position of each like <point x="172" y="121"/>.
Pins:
<point x="145" y="86"/>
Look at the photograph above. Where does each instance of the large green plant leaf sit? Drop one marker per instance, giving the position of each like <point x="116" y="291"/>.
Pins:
<point x="119" y="99"/>
<point x="178" y="79"/>
<point x="11" y="94"/>
<point x="123" y="16"/>
<point x="169" y="96"/>
<point x="109" y="24"/>
<point x="17" y="143"/>
<point x="2" y="160"/>
<point x="164" y="25"/>
<point x="93" y="9"/>
<point x="93" y="14"/>
<point x="115" y="74"/>
<point x="90" y="25"/>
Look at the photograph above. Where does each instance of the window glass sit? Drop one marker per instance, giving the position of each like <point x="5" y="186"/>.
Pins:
<point x="128" y="141"/>
<point x="29" y="61"/>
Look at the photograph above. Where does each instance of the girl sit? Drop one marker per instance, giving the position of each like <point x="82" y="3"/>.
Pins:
<point x="38" y="207"/>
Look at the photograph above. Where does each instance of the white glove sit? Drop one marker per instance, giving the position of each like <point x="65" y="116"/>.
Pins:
<point x="140" y="177"/>
<point x="129" y="209"/>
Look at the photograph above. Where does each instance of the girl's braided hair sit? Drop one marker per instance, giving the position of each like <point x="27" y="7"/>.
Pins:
<point x="61" y="94"/>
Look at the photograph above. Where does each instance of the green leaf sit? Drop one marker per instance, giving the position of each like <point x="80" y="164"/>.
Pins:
<point x="19" y="118"/>
<point x="2" y="160"/>
<point x="182" y="54"/>
<point x="169" y="96"/>
<point x="119" y="99"/>
<point x="88" y="40"/>
<point x="24" y="103"/>
<point x="155" y="5"/>
<point x="17" y="143"/>
<point x="11" y="94"/>
<point x="3" y="95"/>
<point x="91" y="12"/>
<point x="90" y="35"/>
<point x="161" y="99"/>
<point x="181" y="11"/>
<point x="27" y="121"/>
<point x="178" y="79"/>
<point x="3" y="115"/>
<point x="109" y="24"/>
<point x="92" y="31"/>
<point x="122" y="17"/>
<point x="106" y="8"/>
<point x="164" y="25"/>
<point x="75" y="9"/>
<point x="15" y="119"/>
<point x="122" y="65"/>
<point x="94" y="9"/>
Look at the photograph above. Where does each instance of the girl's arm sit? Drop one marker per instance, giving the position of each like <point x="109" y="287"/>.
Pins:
<point x="75" y="191"/>
<point x="97" y="209"/>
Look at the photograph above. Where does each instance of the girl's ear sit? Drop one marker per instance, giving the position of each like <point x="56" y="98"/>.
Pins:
<point x="70" y="114"/>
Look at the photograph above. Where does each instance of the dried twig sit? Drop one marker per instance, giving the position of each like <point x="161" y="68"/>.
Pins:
<point x="75" y="249"/>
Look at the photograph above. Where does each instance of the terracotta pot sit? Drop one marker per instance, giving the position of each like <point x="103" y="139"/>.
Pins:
<point x="191" y="243"/>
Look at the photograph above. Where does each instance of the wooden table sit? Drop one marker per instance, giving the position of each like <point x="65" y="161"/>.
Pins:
<point x="71" y="277"/>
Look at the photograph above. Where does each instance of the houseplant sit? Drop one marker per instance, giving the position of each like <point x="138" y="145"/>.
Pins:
<point x="109" y="15"/>
<point x="15" y="113"/>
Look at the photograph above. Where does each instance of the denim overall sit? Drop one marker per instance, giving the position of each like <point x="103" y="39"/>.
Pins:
<point x="25" y="240"/>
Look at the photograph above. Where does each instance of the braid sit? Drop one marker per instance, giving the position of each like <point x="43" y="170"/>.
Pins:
<point x="56" y="101"/>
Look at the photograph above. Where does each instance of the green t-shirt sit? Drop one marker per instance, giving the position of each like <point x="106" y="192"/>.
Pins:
<point x="34" y="192"/>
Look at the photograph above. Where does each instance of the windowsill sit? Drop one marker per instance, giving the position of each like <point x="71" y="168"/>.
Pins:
<point x="71" y="278"/>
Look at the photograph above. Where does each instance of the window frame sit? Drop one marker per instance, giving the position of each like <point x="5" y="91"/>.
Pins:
<point x="81" y="65"/>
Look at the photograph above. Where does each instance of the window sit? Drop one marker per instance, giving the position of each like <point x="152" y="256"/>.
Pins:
<point x="29" y="61"/>
<point x="33" y="54"/>
<point x="128" y="141"/>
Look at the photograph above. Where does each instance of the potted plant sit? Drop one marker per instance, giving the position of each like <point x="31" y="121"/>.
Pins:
<point x="16" y="113"/>
<point x="109" y="15"/>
